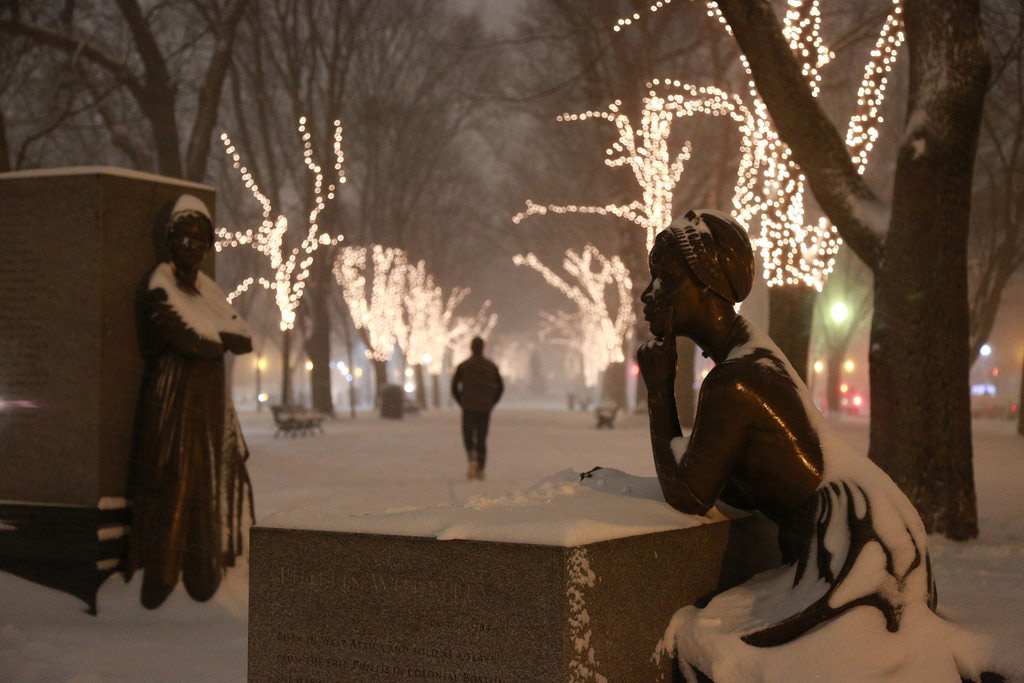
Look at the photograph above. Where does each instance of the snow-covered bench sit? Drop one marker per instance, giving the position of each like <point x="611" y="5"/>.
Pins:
<point x="296" y="421"/>
<point x="605" y="414"/>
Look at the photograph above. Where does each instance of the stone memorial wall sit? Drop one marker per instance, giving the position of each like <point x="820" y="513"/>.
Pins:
<point x="74" y="245"/>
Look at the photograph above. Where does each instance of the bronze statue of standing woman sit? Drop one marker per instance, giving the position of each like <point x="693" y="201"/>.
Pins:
<point x="192" y="502"/>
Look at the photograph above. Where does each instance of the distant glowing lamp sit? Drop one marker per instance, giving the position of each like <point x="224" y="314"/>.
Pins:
<point x="839" y="312"/>
<point x="309" y="365"/>
<point x="844" y="387"/>
<point x="263" y="398"/>
<point x="408" y="372"/>
<point x="261" y="363"/>
<point x="849" y="366"/>
<point x="985" y="350"/>
<point x="634" y="369"/>
<point x="858" y="400"/>
<point x="818" y="366"/>
<point x="358" y="372"/>
<point x="995" y="372"/>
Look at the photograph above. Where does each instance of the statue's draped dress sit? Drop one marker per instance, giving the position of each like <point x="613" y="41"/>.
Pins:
<point x="856" y="594"/>
<point x="193" y="500"/>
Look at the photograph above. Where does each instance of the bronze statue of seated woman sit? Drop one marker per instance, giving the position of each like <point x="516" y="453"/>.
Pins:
<point x="857" y="580"/>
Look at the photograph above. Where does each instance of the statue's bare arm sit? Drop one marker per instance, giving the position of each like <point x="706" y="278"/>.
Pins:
<point x="691" y="483"/>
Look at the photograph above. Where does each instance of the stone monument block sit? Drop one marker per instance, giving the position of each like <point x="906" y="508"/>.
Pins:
<point x="338" y="606"/>
<point x="74" y="245"/>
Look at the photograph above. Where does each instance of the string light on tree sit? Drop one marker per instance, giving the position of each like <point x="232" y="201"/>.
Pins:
<point x="421" y="300"/>
<point x="432" y="328"/>
<point x="375" y="303"/>
<point x="645" y="150"/>
<point x="290" y="266"/>
<point x="464" y="328"/>
<point x="602" y="335"/>
<point x="771" y="187"/>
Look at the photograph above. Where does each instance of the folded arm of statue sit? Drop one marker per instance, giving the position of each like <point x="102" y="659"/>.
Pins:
<point x="236" y="343"/>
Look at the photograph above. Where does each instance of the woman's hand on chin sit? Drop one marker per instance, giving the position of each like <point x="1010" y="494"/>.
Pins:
<point x="657" y="359"/>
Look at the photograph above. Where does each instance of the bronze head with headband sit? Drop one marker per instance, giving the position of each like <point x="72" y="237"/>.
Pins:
<point x="716" y="250"/>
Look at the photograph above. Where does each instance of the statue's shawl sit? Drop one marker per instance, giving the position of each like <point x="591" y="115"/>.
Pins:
<point x="864" y="574"/>
<point x="208" y="314"/>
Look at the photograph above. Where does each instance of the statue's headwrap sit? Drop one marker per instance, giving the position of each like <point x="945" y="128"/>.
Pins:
<point x="190" y="208"/>
<point x="717" y="250"/>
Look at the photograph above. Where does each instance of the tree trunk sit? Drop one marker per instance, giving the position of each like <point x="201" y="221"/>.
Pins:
<point x="835" y="379"/>
<point x="286" y="367"/>
<point x="318" y="342"/>
<point x="436" y="382"/>
<point x="5" y="150"/>
<point x="421" y="386"/>
<point x="380" y="375"/>
<point x="920" y="419"/>
<point x="1020" y="401"/>
<point x="613" y="384"/>
<point x="790" y="316"/>
<point x="318" y="348"/>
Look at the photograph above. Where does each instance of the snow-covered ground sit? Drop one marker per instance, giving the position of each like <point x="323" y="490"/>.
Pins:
<point x="373" y="465"/>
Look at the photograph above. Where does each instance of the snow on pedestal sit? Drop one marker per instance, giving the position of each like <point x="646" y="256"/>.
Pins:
<point x="568" y="580"/>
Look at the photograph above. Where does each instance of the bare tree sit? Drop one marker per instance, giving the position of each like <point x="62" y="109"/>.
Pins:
<point x="576" y="63"/>
<point x="920" y="426"/>
<point x="155" y="74"/>
<point x="997" y="220"/>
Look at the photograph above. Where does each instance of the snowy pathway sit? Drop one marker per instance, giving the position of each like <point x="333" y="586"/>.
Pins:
<point x="371" y="465"/>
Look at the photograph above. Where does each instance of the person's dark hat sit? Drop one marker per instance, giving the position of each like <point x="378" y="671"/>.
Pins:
<point x="717" y="249"/>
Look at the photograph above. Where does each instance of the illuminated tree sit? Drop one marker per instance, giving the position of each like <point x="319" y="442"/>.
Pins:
<point x="432" y="328"/>
<point x="797" y="254"/>
<point x="462" y="331"/>
<point x="601" y="336"/>
<point x="645" y="150"/>
<point x="373" y="284"/>
<point x="915" y="244"/>
<point x="289" y="264"/>
<point x="130" y="69"/>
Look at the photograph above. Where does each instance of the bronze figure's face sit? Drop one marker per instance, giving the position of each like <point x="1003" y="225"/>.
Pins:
<point x="673" y="292"/>
<point x="188" y="242"/>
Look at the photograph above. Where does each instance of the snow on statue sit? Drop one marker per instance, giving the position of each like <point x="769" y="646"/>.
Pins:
<point x="855" y="597"/>
<point x="193" y="499"/>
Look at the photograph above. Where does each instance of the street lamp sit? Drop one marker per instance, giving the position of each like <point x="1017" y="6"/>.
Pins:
<point x="261" y="365"/>
<point x="839" y="312"/>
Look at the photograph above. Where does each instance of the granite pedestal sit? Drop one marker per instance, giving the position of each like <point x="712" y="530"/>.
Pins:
<point x="74" y="245"/>
<point x="336" y="606"/>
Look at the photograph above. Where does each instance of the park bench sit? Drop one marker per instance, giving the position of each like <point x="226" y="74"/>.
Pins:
<point x="605" y="414"/>
<point x="295" y="421"/>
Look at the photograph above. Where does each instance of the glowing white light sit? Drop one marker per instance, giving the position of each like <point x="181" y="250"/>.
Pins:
<point x="290" y="266"/>
<point x="593" y="330"/>
<point x="375" y="303"/>
<point x="985" y="350"/>
<point x="771" y="187"/>
<point x="838" y="312"/>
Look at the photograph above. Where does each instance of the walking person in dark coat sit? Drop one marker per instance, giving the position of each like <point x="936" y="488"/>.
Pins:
<point x="476" y="386"/>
